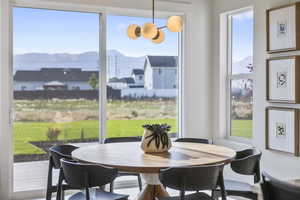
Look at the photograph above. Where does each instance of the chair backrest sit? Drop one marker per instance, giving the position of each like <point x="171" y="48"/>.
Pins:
<point x="58" y="152"/>
<point x="274" y="189"/>
<point x="193" y="140"/>
<point x="80" y="175"/>
<point x="122" y="139"/>
<point x="247" y="162"/>
<point x="192" y="178"/>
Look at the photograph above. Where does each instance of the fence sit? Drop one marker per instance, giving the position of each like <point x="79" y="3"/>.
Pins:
<point x="65" y="94"/>
<point x="144" y="93"/>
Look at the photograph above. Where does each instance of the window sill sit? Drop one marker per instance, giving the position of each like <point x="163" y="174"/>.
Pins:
<point x="233" y="143"/>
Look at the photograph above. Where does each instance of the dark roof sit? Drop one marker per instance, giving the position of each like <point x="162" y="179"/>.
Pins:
<point x="138" y="71"/>
<point x="54" y="74"/>
<point x="127" y="80"/>
<point x="163" y="61"/>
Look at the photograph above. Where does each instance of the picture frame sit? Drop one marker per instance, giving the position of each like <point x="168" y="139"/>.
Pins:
<point x="283" y="79"/>
<point x="283" y="27"/>
<point x="282" y="130"/>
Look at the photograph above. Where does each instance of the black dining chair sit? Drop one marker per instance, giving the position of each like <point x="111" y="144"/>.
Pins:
<point x="246" y="162"/>
<point x="56" y="153"/>
<point x="122" y="173"/>
<point x="193" y="140"/>
<point x="86" y="176"/>
<point x="197" y="178"/>
<point x="274" y="189"/>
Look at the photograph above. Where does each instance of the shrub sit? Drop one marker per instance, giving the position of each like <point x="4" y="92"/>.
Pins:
<point x="82" y="134"/>
<point x="53" y="133"/>
<point x="134" y="113"/>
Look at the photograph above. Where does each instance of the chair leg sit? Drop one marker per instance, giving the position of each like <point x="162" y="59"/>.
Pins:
<point x="60" y="193"/>
<point x="255" y="196"/>
<point x="87" y="194"/>
<point x="111" y="187"/>
<point x="213" y="194"/>
<point x="140" y="182"/>
<point x="49" y="181"/>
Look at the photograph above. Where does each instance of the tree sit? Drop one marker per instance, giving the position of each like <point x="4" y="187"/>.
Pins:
<point x="93" y="81"/>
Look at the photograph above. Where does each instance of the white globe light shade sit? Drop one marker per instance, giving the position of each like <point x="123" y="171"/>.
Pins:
<point x="149" y="30"/>
<point x="175" y="23"/>
<point x="133" y="31"/>
<point x="159" y="38"/>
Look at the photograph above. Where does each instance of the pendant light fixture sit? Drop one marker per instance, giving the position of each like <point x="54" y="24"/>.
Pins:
<point x="151" y="31"/>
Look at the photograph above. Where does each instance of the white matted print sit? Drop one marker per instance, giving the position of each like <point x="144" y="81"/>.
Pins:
<point x="281" y="130"/>
<point x="282" y="28"/>
<point x="281" y="80"/>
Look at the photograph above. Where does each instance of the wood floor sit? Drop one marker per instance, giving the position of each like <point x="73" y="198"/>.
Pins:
<point x="132" y="192"/>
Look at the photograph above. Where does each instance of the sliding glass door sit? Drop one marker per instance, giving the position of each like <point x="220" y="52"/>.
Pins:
<point x="142" y="79"/>
<point x="55" y="87"/>
<point x="61" y="73"/>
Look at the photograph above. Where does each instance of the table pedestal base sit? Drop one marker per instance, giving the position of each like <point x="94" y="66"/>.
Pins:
<point x="152" y="189"/>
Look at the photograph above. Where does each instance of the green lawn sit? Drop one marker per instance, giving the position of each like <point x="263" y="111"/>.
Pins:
<point x="36" y="131"/>
<point x="242" y="128"/>
<point x="72" y="117"/>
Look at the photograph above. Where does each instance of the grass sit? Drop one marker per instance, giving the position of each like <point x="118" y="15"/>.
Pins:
<point x="72" y="117"/>
<point x="242" y="128"/>
<point x="36" y="131"/>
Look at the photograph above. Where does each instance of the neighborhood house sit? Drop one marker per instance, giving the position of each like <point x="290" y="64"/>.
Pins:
<point x="53" y="79"/>
<point x="157" y="79"/>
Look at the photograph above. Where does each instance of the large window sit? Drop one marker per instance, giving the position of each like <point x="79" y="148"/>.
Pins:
<point x="142" y="79"/>
<point x="55" y="73"/>
<point x="57" y="84"/>
<point x="239" y="73"/>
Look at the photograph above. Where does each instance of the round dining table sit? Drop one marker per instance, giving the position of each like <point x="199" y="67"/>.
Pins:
<point x="129" y="157"/>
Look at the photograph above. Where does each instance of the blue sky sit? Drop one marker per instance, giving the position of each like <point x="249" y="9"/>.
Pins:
<point x="48" y="31"/>
<point x="242" y="35"/>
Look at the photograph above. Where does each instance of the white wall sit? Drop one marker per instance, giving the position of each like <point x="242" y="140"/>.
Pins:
<point x="148" y="76"/>
<point x="35" y="85"/>
<point x="282" y="165"/>
<point x="164" y="77"/>
<point x="138" y="79"/>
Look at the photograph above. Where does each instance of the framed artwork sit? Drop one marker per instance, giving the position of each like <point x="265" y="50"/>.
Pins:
<point x="282" y="129"/>
<point x="283" y="24"/>
<point x="283" y="79"/>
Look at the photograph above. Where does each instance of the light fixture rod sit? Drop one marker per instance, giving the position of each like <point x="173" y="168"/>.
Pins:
<point x="153" y="11"/>
<point x="162" y="27"/>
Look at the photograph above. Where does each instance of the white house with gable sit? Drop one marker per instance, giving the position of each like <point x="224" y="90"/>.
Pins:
<point x="138" y="76"/>
<point x="160" y="72"/>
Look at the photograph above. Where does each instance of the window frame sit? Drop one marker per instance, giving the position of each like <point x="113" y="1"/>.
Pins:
<point x="231" y="77"/>
<point x="103" y="13"/>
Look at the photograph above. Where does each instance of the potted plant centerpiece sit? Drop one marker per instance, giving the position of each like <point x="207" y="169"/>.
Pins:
<point x="156" y="138"/>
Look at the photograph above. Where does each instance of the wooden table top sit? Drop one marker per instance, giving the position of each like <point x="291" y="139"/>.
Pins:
<point x="129" y="156"/>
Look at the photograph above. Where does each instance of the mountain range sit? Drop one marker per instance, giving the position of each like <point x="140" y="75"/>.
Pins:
<point x="119" y="65"/>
